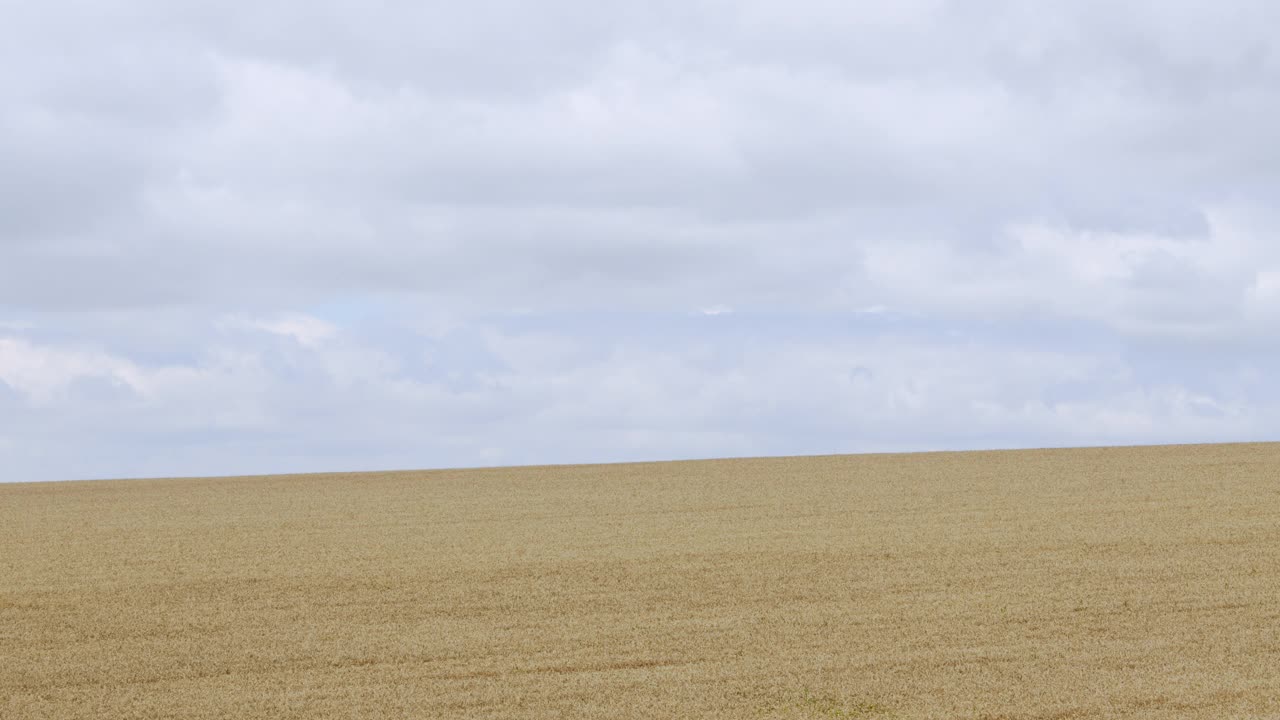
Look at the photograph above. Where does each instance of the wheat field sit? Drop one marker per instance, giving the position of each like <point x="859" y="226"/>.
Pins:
<point x="1086" y="583"/>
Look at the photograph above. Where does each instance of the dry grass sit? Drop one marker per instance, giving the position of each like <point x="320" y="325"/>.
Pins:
<point x="1101" y="583"/>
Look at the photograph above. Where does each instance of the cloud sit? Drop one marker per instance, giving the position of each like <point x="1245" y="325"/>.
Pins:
<point x="502" y="392"/>
<point x="287" y="226"/>
<point x="308" y="331"/>
<point x="43" y="375"/>
<point x="619" y="150"/>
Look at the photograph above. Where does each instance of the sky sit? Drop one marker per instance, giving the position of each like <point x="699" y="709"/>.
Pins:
<point x="335" y="235"/>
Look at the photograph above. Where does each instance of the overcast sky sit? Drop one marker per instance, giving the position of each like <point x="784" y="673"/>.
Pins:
<point x="299" y="236"/>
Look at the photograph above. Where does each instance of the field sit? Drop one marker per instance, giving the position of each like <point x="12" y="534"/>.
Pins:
<point x="1091" y="583"/>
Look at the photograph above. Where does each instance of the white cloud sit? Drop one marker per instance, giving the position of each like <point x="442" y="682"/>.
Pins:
<point x="974" y="223"/>
<point x="44" y="374"/>
<point x="308" y="331"/>
<point x="253" y="404"/>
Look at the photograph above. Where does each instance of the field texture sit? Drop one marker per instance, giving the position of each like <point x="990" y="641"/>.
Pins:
<point x="1099" y="583"/>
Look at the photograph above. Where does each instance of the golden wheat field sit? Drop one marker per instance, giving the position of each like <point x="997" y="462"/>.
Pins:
<point x="1090" y="583"/>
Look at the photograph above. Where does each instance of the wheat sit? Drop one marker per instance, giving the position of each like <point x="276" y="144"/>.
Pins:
<point x="1092" y="583"/>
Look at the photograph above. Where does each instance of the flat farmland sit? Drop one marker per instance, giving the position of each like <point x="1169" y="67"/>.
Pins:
<point x="1084" y="583"/>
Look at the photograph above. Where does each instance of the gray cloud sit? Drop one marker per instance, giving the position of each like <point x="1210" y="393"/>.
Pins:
<point x="1088" y="180"/>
